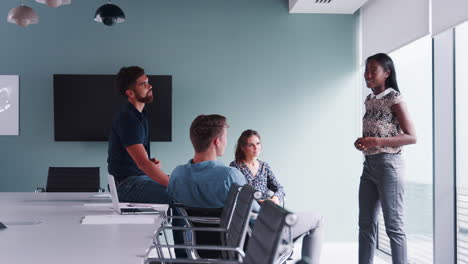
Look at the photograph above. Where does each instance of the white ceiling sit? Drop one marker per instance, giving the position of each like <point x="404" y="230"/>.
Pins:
<point x="325" y="6"/>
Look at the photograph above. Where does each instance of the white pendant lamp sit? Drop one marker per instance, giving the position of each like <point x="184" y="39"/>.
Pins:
<point x="23" y="16"/>
<point x="54" y="3"/>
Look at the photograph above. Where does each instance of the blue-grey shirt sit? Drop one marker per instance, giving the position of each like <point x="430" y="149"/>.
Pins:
<point x="129" y="127"/>
<point x="204" y="185"/>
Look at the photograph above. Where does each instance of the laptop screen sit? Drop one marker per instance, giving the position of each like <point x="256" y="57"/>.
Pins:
<point x="113" y="191"/>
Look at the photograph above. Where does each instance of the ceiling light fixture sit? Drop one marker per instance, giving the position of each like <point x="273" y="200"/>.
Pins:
<point x="109" y="14"/>
<point x="22" y="16"/>
<point x="54" y="3"/>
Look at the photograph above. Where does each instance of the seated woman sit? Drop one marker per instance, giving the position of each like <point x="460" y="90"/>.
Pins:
<point x="259" y="174"/>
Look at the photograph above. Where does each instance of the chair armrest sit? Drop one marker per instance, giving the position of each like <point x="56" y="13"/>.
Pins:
<point x="208" y="229"/>
<point x="198" y="219"/>
<point x="162" y="230"/>
<point x="203" y="210"/>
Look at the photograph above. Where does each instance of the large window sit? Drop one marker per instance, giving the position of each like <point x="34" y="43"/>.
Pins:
<point x="461" y="91"/>
<point x="413" y="64"/>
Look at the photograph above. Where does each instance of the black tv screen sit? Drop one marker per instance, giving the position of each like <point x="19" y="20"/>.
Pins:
<point x="84" y="106"/>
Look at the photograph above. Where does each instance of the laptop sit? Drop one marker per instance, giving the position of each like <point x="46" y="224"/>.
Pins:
<point x="125" y="208"/>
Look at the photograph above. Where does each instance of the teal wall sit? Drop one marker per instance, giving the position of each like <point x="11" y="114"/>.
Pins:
<point x="293" y="77"/>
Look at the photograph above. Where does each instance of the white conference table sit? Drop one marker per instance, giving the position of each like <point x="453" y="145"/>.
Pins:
<point x="45" y="228"/>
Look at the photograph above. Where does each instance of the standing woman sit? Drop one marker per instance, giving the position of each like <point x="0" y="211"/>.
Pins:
<point x="386" y="128"/>
<point x="257" y="173"/>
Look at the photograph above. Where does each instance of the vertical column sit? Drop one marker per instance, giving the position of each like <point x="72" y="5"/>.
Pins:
<point x="444" y="149"/>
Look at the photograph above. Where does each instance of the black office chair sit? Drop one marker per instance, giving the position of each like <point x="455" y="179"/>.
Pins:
<point x="210" y="217"/>
<point x="264" y="247"/>
<point x="73" y="179"/>
<point x="202" y="217"/>
<point x="271" y="235"/>
<point x="231" y="234"/>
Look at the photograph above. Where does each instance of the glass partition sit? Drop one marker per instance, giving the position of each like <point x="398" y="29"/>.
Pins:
<point x="413" y="65"/>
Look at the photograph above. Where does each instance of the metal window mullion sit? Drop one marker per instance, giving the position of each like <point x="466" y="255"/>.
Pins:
<point x="444" y="151"/>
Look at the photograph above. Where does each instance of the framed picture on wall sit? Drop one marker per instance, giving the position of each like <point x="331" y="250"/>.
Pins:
<point x="9" y="105"/>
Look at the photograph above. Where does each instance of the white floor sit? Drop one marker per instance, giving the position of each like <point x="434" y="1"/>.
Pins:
<point x="335" y="253"/>
<point x="332" y="253"/>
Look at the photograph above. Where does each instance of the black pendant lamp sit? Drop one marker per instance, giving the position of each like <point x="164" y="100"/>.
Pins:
<point x="109" y="14"/>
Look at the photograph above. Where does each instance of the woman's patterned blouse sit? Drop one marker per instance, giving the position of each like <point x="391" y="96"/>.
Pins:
<point x="380" y="121"/>
<point x="264" y="180"/>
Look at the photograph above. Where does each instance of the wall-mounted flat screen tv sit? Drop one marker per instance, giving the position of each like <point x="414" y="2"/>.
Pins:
<point x="85" y="105"/>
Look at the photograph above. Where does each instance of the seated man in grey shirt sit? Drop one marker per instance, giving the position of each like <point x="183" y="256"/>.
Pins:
<point x="204" y="182"/>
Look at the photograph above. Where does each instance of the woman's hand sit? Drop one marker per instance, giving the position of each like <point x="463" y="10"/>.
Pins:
<point x="275" y="199"/>
<point x="365" y="143"/>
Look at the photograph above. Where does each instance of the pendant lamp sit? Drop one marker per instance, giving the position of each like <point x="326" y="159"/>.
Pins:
<point x="109" y="14"/>
<point x="54" y="3"/>
<point x="22" y="16"/>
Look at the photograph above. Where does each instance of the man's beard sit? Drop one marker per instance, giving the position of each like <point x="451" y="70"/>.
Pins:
<point x="147" y="99"/>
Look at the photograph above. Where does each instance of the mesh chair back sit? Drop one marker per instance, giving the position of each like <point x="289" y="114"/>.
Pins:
<point x="237" y="230"/>
<point x="225" y="214"/>
<point x="266" y="233"/>
<point x="73" y="179"/>
<point x="231" y="199"/>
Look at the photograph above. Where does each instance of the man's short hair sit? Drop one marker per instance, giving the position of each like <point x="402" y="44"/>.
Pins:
<point x="127" y="77"/>
<point x="204" y="129"/>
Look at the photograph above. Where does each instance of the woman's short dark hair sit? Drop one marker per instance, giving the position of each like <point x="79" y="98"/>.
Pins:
<point x="204" y="129"/>
<point x="127" y="77"/>
<point x="387" y="63"/>
<point x="242" y="142"/>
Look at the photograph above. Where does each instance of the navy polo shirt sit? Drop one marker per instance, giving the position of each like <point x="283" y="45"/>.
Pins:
<point x="129" y="127"/>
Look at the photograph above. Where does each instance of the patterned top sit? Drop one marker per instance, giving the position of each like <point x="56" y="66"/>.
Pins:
<point x="264" y="180"/>
<point x="380" y="121"/>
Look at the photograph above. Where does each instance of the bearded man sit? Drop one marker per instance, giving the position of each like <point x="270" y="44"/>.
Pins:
<point x="138" y="177"/>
